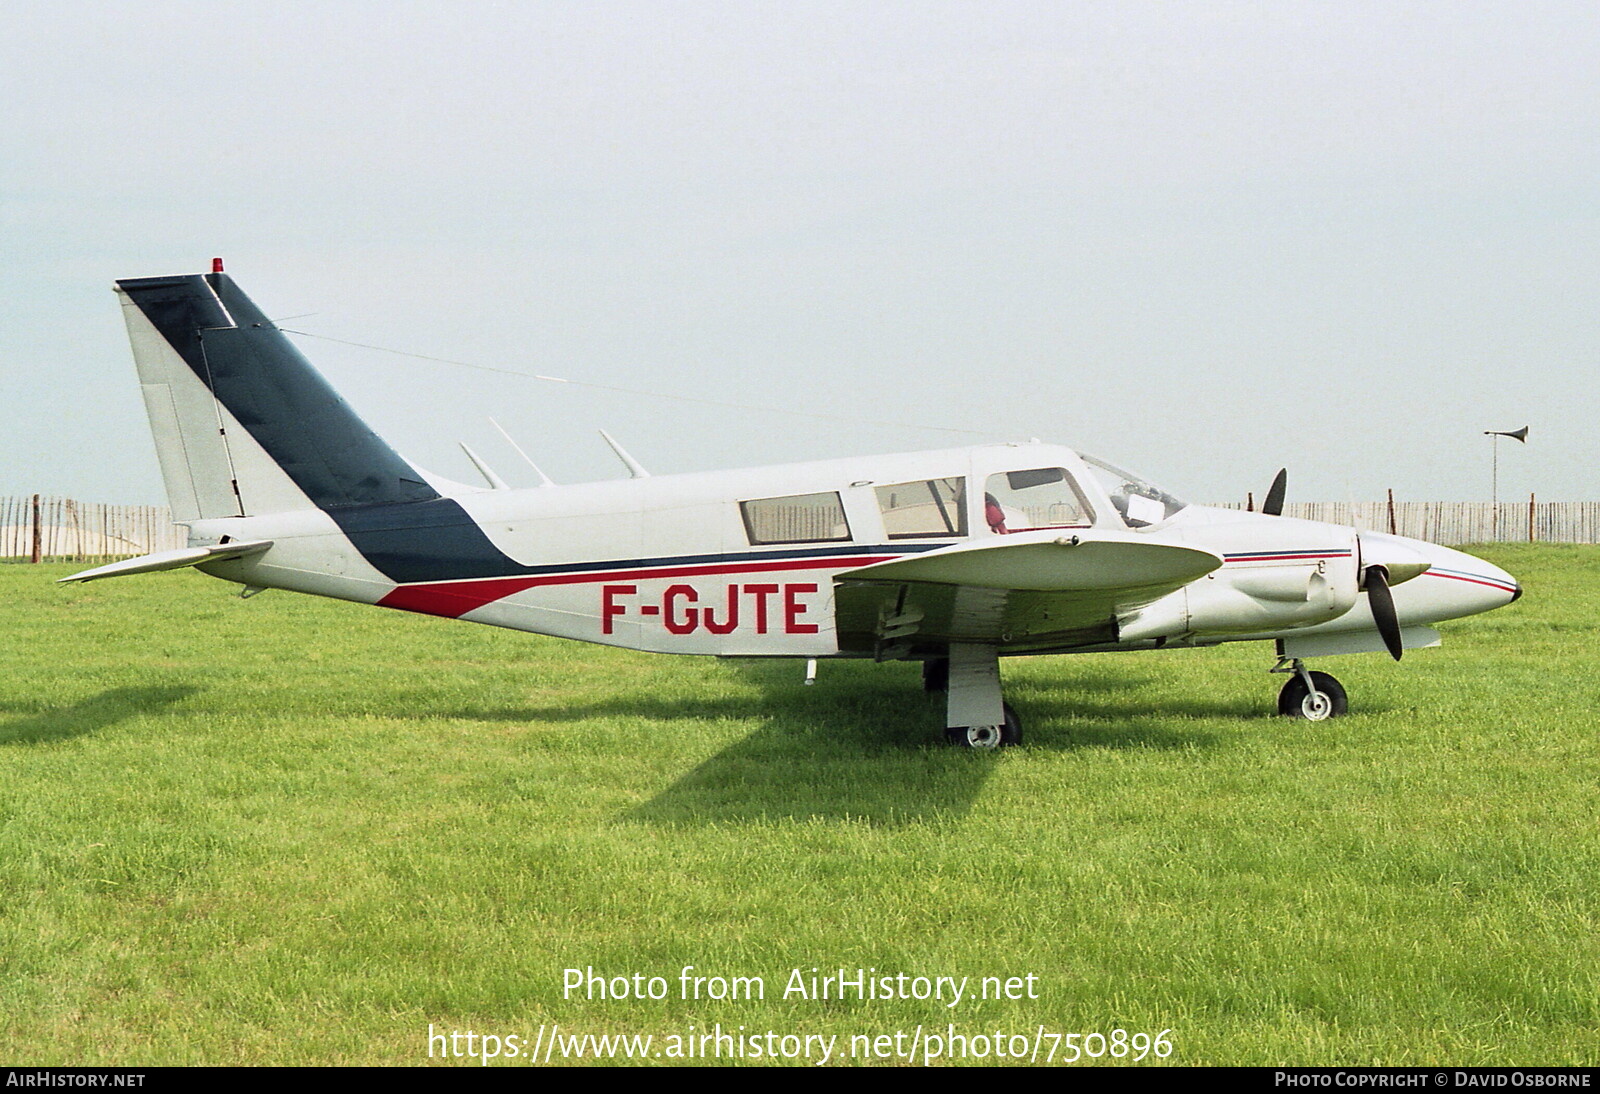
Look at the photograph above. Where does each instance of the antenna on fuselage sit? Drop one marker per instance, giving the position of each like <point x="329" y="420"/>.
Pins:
<point x="635" y="468"/>
<point x="495" y="481"/>
<point x="544" y="480"/>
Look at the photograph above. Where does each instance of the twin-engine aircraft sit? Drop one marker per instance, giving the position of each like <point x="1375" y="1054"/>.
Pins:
<point x="953" y="558"/>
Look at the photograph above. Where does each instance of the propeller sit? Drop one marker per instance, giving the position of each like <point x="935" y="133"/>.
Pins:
<point x="1385" y="561"/>
<point x="1273" y="506"/>
<point x="1381" y="600"/>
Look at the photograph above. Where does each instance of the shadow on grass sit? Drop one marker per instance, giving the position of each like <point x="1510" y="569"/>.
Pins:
<point x="866" y="743"/>
<point x="852" y="748"/>
<point x="845" y="753"/>
<point x="89" y="716"/>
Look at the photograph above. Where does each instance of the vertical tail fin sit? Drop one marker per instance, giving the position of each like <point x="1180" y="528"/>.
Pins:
<point x="243" y="424"/>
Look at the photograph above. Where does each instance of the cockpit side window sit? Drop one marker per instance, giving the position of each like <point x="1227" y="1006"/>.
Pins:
<point x="932" y="507"/>
<point x="1040" y="497"/>
<point x="798" y="518"/>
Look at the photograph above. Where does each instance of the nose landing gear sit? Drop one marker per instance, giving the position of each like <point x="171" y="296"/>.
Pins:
<point x="1314" y="696"/>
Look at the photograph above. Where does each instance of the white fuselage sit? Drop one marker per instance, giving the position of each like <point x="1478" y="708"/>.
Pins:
<point x="675" y="564"/>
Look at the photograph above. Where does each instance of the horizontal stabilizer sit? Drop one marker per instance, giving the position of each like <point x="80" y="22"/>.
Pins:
<point x="170" y="560"/>
<point x="1087" y="561"/>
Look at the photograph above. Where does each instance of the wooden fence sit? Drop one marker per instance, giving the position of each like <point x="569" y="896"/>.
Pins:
<point x="33" y="527"/>
<point x="1454" y="522"/>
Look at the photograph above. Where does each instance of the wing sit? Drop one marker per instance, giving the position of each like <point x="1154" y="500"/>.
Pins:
<point x="1029" y="592"/>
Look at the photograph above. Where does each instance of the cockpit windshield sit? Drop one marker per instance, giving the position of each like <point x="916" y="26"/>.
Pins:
<point x="1140" y="503"/>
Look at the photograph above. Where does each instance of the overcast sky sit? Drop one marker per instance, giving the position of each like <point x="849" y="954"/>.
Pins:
<point x="1204" y="240"/>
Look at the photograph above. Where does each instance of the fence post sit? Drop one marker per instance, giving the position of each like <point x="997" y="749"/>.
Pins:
<point x="1391" y="512"/>
<point x="1530" y="516"/>
<point x="38" y="533"/>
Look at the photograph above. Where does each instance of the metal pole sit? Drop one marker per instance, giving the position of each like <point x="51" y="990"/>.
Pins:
<point x="1494" y="488"/>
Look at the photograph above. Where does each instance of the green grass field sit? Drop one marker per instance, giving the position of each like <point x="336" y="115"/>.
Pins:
<point x="292" y="831"/>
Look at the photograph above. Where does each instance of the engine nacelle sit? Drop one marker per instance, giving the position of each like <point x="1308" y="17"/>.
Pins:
<point x="1261" y="591"/>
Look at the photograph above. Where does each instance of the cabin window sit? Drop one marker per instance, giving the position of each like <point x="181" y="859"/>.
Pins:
<point x="799" y="518"/>
<point x="933" y="507"/>
<point x="1042" y="497"/>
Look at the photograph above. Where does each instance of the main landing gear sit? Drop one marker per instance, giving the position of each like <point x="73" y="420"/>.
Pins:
<point x="977" y="717"/>
<point x="975" y="714"/>
<point x="1008" y="732"/>
<point x="1314" y="696"/>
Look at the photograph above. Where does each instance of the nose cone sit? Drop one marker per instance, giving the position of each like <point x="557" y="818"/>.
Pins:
<point x="1456" y="584"/>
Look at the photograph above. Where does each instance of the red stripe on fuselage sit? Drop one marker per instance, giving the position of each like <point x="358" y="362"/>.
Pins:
<point x="1474" y="580"/>
<point x="453" y="599"/>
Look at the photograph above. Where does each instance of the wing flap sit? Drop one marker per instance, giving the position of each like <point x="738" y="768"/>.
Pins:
<point x="170" y="560"/>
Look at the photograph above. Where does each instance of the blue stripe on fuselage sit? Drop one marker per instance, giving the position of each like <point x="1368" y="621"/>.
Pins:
<point x="438" y="541"/>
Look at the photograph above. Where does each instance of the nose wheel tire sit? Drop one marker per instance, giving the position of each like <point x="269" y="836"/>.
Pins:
<point x="1297" y="701"/>
<point x="988" y="736"/>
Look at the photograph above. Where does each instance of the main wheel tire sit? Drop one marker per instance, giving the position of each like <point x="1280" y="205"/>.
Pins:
<point x="1296" y="700"/>
<point x="986" y="737"/>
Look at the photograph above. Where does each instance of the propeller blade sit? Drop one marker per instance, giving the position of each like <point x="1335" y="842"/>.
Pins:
<point x="1381" y="601"/>
<point x="1273" y="506"/>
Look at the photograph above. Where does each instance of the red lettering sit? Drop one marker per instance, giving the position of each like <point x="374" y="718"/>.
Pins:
<point x="682" y="612"/>
<point x="761" y="592"/>
<point x="793" y="609"/>
<point x="691" y="616"/>
<point x="609" y="608"/>
<point x="732" y="621"/>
